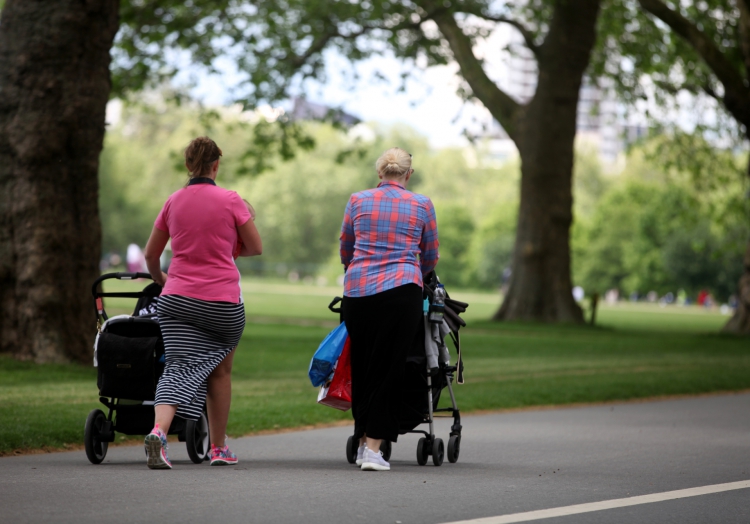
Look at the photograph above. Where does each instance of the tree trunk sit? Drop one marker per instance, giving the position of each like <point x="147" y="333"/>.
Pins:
<point x="740" y="322"/>
<point x="540" y="286"/>
<point x="54" y="87"/>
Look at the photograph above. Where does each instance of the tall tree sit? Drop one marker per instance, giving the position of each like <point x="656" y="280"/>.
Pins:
<point x="54" y="87"/>
<point x="281" y="43"/>
<point x="702" y="48"/>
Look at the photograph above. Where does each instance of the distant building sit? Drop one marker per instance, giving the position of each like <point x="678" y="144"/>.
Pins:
<point x="600" y="120"/>
<point x="522" y="72"/>
<point x="306" y="110"/>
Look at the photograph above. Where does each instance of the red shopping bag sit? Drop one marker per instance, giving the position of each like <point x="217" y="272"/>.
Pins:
<point x="338" y="392"/>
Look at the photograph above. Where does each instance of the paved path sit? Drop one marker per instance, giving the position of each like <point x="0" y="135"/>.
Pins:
<point x="510" y="463"/>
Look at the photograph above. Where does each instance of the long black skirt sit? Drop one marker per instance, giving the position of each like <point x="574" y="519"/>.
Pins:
<point x="383" y="328"/>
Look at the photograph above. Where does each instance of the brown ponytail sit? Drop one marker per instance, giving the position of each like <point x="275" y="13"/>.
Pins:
<point x="200" y="156"/>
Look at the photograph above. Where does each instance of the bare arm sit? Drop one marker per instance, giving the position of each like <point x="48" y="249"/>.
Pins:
<point x="428" y="245"/>
<point x="347" y="238"/>
<point x="251" y="243"/>
<point x="154" y="248"/>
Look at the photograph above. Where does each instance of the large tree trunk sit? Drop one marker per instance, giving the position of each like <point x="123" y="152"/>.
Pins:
<point x="740" y="321"/>
<point x="54" y="87"/>
<point x="540" y="286"/>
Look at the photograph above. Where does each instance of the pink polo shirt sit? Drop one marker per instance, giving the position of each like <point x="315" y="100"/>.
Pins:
<point x="202" y="220"/>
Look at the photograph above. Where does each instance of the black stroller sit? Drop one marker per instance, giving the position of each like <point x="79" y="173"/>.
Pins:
<point x="426" y="375"/>
<point x="129" y="353"/>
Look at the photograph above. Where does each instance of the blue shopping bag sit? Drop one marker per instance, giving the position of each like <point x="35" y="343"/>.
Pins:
<point x="326" y="356"/>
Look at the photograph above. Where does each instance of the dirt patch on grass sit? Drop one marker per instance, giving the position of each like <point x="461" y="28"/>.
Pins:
<point x="136" y="440"/>
<point x="60" y="449"/>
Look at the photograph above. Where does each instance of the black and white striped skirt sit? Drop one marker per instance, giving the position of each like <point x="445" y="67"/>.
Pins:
<point x="198" y="335"/>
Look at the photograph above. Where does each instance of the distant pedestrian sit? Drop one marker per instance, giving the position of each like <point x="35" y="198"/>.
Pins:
<point x="388" y="242"/>
<point x="136" y="263"/>
<point x="200" y="309"/>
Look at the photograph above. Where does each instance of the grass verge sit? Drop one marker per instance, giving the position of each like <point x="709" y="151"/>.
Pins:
<point x="642" y="354"/>
<point x="506" y="367"/>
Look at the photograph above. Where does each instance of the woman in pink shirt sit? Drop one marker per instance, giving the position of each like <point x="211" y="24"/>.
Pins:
<point x="200" y="308"/>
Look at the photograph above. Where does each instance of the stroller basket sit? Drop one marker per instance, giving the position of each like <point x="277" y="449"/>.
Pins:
<point x="126" y="353"/>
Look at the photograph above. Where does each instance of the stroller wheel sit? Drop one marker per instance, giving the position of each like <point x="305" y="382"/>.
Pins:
<point x="96" y="448"/>
<point x="351" y="450"/>
<point x="385" y="449"/>
<point x="454" y="447"/>
<point x="197" y="439"/>
<point x="423" y="451"/>
<point x="438" y="452"/>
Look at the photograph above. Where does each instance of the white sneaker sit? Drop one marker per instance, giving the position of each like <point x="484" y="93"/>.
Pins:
<point x="373" y="461"/>
<point x="361" y="454"/>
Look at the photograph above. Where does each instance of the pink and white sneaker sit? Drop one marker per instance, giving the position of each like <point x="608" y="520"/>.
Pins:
<point x="222" y="456"/>
<point x="156" y="449"/>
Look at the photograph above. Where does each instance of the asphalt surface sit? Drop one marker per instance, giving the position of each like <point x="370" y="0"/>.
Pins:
<point x="509" y="463"/>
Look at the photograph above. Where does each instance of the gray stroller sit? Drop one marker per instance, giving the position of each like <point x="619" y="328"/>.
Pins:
<point x="427" y="373"/>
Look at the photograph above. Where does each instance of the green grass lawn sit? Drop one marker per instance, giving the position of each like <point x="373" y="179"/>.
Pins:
<point x="636" y="351"/>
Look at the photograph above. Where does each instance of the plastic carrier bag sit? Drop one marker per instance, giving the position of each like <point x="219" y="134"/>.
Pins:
<point x="326" y="356"/>
<point x="338" y="392"/>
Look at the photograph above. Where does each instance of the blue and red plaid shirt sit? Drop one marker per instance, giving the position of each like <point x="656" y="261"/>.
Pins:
<point x="384" y="230"/>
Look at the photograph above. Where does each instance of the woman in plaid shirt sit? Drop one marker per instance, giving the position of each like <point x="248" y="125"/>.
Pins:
<point x="388" y="241"/>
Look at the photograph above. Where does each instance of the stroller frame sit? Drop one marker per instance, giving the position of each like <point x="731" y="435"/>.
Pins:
<point x="430" y="445"/>
<point x="135" y="417"/>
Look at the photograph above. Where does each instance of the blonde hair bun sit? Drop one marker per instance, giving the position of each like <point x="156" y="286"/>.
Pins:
<point x="394" y="163"/>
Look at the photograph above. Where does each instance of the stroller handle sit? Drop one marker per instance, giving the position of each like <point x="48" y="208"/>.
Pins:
<point x="335" y="301"/>
<point x="119" y="276"/>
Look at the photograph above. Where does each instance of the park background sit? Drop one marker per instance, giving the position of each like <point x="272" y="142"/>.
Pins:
<point x="639" y="226"/>
<point x="663" y="220"/>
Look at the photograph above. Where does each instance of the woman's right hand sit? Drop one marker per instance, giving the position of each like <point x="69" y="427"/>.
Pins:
<point x="154" y="248"/>
<point x="161" y="278"/>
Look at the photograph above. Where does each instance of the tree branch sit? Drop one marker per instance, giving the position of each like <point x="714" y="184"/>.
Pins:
<point x="527" y="35"/>
<point x="502" y="106"/>
<point x="744" y="8"/>
<point x="320" y="42"/>
<point x="428" y="15"/>
<point x="690" y="88"/>
<point x="736" y="93"/>
<point x="710" y="92"/>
